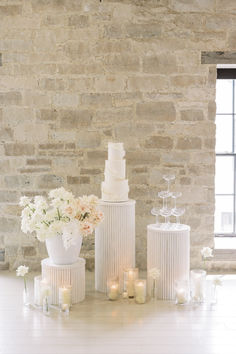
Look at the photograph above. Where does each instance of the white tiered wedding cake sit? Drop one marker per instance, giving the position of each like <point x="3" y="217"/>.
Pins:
<point x="115" y="188"/>
<point x="115" y="237"/>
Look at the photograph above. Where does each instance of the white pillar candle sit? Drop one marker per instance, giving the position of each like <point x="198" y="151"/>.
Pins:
<point x="130" y="275"/>
<point x="140" y="291"/>
<point x="65" y="295"/>
<point x="113" y="290"/>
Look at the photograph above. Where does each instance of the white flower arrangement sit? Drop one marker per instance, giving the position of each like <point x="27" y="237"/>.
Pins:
<point x="61" y="213"/>
<point x="154" y="273"/>
<point x="21" y="271"/>
<point x="217" y="281"/>
<point x="206" y="253"/>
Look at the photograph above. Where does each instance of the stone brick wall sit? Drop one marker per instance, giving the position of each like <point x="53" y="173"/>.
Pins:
<point x="76" y="74"/>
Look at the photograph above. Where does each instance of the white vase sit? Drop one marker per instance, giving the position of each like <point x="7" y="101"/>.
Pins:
<point x="58" y="254"/>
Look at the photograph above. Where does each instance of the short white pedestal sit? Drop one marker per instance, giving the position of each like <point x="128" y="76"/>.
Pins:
<point x="60" y="275"/>
<point x="114" y="242"/>
<point x="168" y="251"/>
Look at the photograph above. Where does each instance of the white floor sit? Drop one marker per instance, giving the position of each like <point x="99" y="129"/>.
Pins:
<point x="98" y="326"/>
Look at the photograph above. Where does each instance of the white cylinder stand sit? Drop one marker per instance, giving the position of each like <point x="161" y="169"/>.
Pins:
<point x="114" y="242"/>
<point x="169" y="251"/>
<point x="61" y="275"/>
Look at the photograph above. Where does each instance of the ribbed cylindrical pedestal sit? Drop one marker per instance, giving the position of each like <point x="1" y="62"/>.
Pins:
<point x="114" y="242"/>
<point x="62" y="275"/>
<point x="168" y="251"/>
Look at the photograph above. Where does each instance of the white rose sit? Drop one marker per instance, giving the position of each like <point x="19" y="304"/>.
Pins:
<point x="22" y="270"/>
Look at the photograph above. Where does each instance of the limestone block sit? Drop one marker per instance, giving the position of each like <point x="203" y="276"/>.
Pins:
<point x="148" y="83"/>
<point x="148" y="30"/>
<point x="122" y="63"/>
<point x="8" y="196"/>
<point x="160" y="64"/>
<point x="78" y="21"/>
<point x="189" y="143"/>
<point x="109" y="83"/>
<point x="10" y="10"/>
<point x="49" y="181"/>
<point x="192" y="115"/>
<point x="8" y="225"/>
<point x="10" y="98"/>
<point x="156" y="111"/>
<point x="70" y="119"/>
<point x="78" y="179"/>
<point x="88" y="139"/>
<point x="158" y="142"/>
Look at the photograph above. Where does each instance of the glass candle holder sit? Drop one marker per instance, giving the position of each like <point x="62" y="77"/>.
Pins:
<point x="37" y="290"/>
<point x="46" y="305"/>
<point x="130" y="275"/>
<point x="140" y="291"/>
<point x="65" y="299"/>
<point x="45" y="292"/>
<point x="26" y="296"/>
<point x="198" y="285"/>
<point x="181" y="292"/>
<point x="152" y="288"/>
<point x="113" y="289"/>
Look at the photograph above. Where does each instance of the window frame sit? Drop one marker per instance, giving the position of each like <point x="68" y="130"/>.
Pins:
<point x="229" y="74"/>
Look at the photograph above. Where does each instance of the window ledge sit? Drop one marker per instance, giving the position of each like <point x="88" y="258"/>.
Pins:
<point x="225" y="249"/>
<point x="225" y="243"/>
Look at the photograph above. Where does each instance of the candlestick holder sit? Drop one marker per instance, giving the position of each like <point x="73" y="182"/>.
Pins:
<point x="130" y="275"/>
<point x="140" y="291"/>
<point x="181" y="292"/>
<point x="198" y="285"/>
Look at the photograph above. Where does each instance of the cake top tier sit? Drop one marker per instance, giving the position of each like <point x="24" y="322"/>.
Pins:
<point x="116" y="151"/>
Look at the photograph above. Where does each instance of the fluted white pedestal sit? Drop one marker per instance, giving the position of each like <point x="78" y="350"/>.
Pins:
<point x="168" y="251"/>
<point x="114" y="242"/>
<point x="62" y="275"/>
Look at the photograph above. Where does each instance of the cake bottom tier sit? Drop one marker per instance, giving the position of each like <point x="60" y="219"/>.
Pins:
<point x="61" y="275"/>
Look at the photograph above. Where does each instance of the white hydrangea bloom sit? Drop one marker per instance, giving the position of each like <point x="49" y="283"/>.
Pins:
<point x="40" y="203"/>
<point x="22" y="271"/>
<point x="24" y="201"/>
<point x="60" y="193"/>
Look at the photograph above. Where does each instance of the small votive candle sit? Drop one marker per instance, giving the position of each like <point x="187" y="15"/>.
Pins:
<point x="182" y="292"/>
<point x="125" y="295"/>
<point x="140" y="291"/>
<point x="113" y="289"/>
<point x="65" y="297"/>
<point x="130" y="275"/>
<point x="65" y="308"/>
